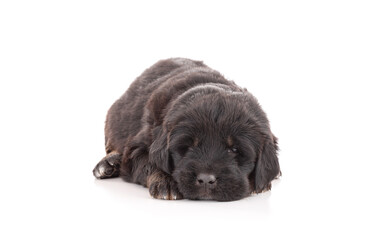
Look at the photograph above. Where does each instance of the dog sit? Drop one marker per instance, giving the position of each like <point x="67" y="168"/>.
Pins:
<point x="184" y="131"/>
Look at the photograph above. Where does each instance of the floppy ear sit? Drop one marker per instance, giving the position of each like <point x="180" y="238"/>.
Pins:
<point x="267" y="166"/>
<point x="159" y="150"/>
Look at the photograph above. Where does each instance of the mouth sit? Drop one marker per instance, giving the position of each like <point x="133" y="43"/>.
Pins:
<point x="198" y="193"/>
<point x="205" y="194"/>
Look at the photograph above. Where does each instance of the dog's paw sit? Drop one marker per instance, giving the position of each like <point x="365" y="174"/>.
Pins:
<point x="162" y="186"/>
<point x="108" y="167"/>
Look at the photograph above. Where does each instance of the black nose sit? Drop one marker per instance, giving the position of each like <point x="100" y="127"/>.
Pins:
<point x="207" y="179"/>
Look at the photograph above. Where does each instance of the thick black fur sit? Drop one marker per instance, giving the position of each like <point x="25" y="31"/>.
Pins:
<point x="181" y="119"/>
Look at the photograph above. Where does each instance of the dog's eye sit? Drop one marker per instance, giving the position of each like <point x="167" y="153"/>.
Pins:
<point x="233" y="150"/>
<point x="183" y="149"/>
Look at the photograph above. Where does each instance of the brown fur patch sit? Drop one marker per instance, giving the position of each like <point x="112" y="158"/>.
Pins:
<point x="108" y="148"/>
<point x="154" y="177"/>
<point x="230" y="142"/>
<point x="195" y="142"/>
<point x="111" y="154"/>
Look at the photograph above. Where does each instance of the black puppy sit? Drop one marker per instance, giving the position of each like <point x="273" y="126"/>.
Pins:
<point x="184" y="131"/>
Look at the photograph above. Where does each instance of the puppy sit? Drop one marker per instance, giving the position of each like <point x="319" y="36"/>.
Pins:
<point x="184" y="131"/>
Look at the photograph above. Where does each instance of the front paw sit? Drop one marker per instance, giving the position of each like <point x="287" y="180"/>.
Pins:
<point x="162" y="186"/>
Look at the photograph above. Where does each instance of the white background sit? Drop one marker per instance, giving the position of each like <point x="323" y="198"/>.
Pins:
<point x="63" y="63"/>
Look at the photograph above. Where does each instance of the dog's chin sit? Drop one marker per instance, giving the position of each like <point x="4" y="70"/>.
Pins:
<point x="209" y="196"/>
<point x="202" y="196"/>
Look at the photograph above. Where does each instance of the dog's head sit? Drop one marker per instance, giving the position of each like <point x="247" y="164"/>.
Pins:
<point x="217" y="145"/>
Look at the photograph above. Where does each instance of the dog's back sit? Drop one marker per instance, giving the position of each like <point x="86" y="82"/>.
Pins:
<point x="156" y="86"/>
